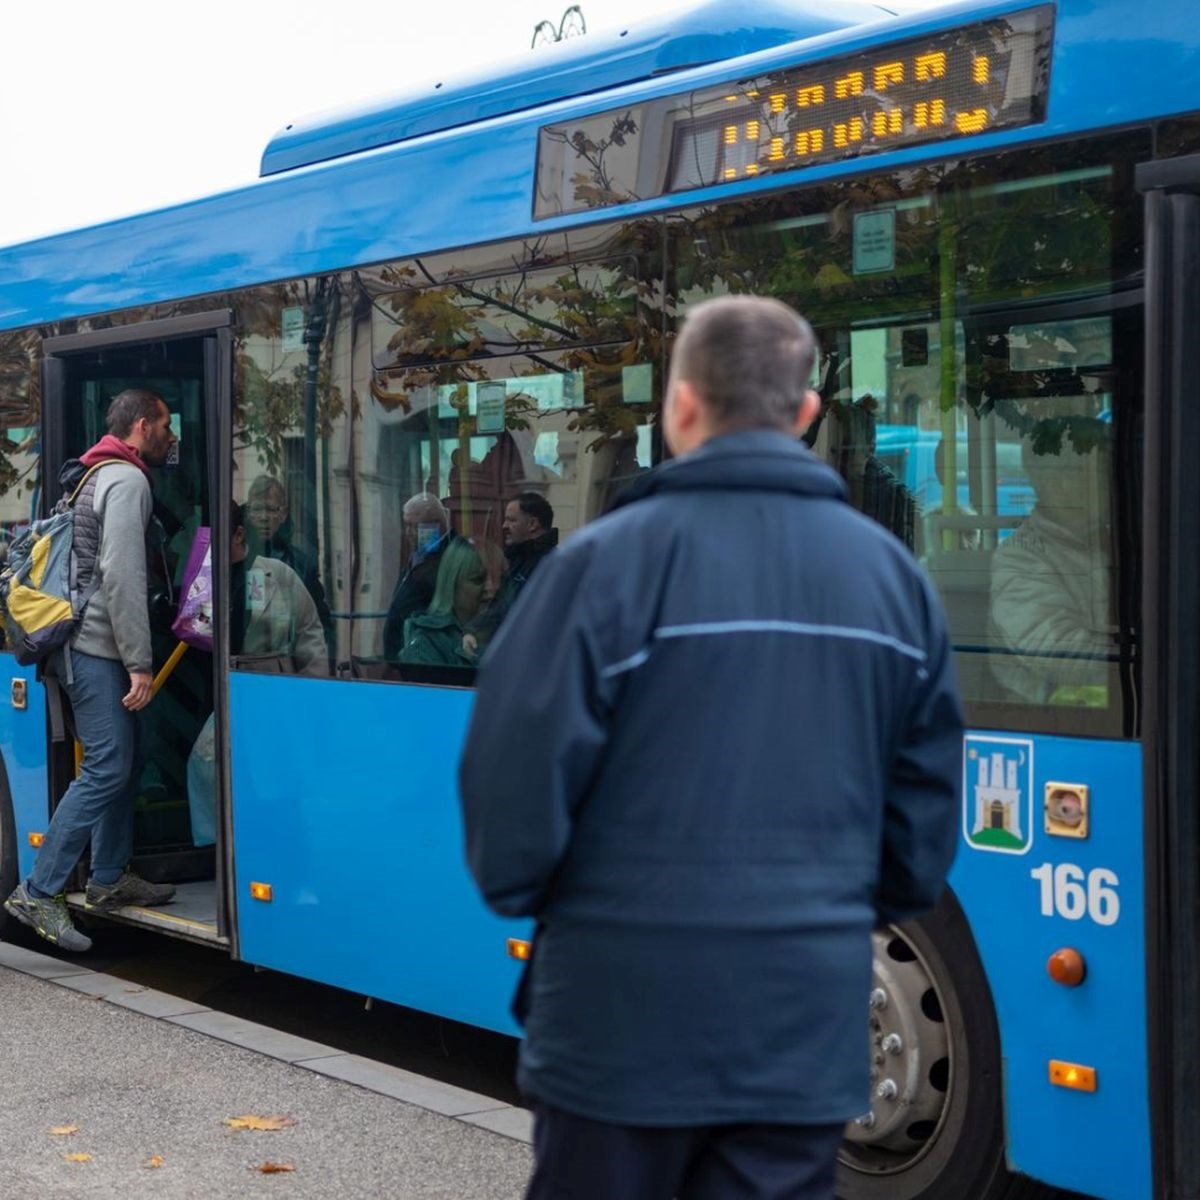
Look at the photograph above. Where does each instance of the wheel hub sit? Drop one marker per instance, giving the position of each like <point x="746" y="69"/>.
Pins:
<point x="909" y="1061"/>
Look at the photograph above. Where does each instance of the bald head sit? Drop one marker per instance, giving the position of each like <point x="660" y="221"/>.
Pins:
<point x="750" y="359"/>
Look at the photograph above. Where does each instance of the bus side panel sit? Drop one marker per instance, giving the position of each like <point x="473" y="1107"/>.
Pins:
<point x="1026" y="901"/>
<point x="345" y="802"/>
<point x="23" y="745"/>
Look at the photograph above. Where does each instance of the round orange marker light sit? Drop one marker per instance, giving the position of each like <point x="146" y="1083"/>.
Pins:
<point x="1067" y="967"/>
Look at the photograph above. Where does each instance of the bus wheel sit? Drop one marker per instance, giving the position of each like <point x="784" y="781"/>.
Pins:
<point x="934" y="1130"/>
<point x="8" y="854"/>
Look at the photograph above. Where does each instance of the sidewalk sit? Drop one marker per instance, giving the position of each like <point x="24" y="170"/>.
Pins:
<point x="145" y="1075"/>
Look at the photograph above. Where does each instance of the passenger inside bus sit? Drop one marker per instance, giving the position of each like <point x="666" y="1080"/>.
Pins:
<point x="270" y="531"/>
<point x="427" y="532"/>
<point x="529" y="536"/>
<point x="273" y="626"/>
<point x="1050" y="589"/>
<point x="435" y="638"/>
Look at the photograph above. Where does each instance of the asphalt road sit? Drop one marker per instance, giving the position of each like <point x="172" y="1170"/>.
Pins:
<point x="103" y="1103"/>
<point x="458" y="1054"/>
<point x="461" y="1055"/>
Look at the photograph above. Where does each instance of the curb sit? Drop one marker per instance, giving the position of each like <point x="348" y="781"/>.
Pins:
<point x="443" y="1098"/>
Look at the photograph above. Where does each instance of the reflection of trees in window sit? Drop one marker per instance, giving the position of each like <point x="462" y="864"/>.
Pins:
<point x="1004" y="232"/>
<point x="285" y="392"/>
<point x="20" y="405"/>
<point x="20" y="409"/>
<point x="590" y="147"/>
<point x="440" y="340"/>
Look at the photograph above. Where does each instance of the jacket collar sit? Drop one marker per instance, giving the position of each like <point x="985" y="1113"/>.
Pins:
<point x="752" y="460"/>
<point x="534" y="548"/>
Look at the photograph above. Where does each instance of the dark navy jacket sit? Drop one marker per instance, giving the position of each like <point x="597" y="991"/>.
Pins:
<point x="717" y="742"/>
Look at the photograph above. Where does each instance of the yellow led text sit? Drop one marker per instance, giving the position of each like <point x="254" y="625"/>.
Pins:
<point x="888" y="74"/>
<point x="850" y="84"/>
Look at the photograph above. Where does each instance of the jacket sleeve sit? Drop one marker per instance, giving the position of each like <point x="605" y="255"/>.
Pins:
<point x="923" y="805"/>
<point x="125" y="516"/>
<point x="537" y="733"/>
<point x="309" y="650"/>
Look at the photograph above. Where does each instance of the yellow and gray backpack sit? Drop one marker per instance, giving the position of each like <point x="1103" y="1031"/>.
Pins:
<point x="40" y="592"/>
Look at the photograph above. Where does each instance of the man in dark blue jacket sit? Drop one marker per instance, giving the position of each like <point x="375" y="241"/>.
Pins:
<point x="744" y="752"/>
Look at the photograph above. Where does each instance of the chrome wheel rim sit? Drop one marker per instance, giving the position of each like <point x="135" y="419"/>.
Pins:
<point x="911" y="1062"/>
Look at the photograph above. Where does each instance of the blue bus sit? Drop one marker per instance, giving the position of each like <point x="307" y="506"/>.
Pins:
<point x="991" y="213"/>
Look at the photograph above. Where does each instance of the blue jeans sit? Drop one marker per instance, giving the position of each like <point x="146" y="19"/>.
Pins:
<point x="98" y="806"/>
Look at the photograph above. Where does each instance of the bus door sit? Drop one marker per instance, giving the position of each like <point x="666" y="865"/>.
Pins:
<point x="187" y="361"/>
<point x="1171" y="672"/>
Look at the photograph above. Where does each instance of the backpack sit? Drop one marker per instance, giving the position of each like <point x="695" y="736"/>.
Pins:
<point x="40" y="599"/>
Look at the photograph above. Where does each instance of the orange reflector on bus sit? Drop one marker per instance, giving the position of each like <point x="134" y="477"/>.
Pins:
<point x="1072" y="1075"/>
<point x="519" y="949"/>
<point x="1066" y="966"/>
<point x="261" y="891"/>
<point x="36" y="839"/>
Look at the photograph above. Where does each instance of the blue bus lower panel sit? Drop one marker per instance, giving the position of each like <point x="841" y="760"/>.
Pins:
<point x="1051" y="858"/>
<point x="23" y="745"/>
<point x="344" y="801"/>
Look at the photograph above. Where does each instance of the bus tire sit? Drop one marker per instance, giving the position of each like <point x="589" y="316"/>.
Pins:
<point x="8" y="854"/>
<point x="936" y="1132"/>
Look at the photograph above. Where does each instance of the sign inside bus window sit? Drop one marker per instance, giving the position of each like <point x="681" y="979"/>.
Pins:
<point x="973" y="79"/>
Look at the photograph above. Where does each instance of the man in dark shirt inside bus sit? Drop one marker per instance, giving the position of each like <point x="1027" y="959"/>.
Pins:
<point x="529" y="535"/>
<point x="704" y="891"/>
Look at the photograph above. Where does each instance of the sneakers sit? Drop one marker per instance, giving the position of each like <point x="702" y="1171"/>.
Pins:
<point x="47" y="918"/>
<point x="130" y="889"/>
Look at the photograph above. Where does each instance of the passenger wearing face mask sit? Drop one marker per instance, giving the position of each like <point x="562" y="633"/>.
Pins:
<point x="427" y="532"/>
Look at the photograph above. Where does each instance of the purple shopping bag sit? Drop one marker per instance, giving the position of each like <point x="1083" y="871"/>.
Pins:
<point x="194" y="625"/>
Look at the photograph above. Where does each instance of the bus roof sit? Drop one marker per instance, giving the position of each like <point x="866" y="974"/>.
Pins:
<point x="476" y="182"/>
<point x="709" y="32"/>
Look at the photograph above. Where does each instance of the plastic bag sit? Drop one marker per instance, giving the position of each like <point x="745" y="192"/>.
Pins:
<point x="194" y="624"/>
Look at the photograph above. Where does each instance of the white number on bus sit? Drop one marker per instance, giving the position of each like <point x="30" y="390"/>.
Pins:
<point x="1069" y="891"/>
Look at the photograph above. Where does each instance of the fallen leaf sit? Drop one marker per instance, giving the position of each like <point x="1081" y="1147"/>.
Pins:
<point x="78" y="1157"/>
<point x="253" y="1122"/>
<point x="132" y="990"/>
<point x="156" y="1161"/>
<point x="270" y="1168"/>
<point x="63" y="1130"/>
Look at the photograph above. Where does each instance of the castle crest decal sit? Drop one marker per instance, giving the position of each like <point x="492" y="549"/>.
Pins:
<point x="998" y="794"/>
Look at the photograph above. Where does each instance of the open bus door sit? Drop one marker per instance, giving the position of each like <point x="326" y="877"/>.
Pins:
<point x="188" y="361"/>
<point x="1171" y="682"/>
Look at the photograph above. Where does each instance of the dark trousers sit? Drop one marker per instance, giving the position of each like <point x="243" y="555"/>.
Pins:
<point x="580" y="1159"/>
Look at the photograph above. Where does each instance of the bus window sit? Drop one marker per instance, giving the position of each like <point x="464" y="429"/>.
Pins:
<point x="290" y="438"/>
<point x="539" y="383"/>
<point x="20" y="433"/>
<point x="981" y="400"/>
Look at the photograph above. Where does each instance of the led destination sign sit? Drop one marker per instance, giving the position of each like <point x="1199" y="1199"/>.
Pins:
<point x="974" y="79"/>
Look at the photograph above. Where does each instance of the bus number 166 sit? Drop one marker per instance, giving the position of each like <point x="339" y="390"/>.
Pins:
<point x="1071" y="892"/>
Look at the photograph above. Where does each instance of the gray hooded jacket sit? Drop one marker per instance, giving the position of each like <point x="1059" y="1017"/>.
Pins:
<point x="116" y="622"/>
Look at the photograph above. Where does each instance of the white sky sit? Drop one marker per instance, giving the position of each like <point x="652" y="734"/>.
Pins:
<point x="116" y="107"/>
